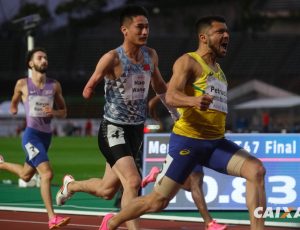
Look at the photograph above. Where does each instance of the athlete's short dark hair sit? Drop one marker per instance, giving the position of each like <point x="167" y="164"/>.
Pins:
<point x="31" y="53"/>
<point x="205" y="22"/>
<point x="130" y="11"/>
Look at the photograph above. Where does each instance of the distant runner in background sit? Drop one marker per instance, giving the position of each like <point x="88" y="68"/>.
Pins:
<point x="43" y="100"/>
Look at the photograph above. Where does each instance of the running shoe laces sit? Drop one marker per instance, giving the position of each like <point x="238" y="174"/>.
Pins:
<point x="63" y="195"/>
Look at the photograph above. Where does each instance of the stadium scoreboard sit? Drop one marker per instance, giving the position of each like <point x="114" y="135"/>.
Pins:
<point x="280" y="154"/>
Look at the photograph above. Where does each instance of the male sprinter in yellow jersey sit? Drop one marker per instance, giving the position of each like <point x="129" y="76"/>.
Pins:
<point x="199" y="88"/>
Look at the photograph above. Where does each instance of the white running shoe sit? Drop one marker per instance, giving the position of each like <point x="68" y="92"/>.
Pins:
<point x="1" y="159"/>
<point x="63" y="195"/>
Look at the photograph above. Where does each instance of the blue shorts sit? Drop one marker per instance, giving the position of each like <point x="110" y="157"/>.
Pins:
<point x="187" y="153"/>
<point x="36" y="145"/>
<point x="198" y="169"/>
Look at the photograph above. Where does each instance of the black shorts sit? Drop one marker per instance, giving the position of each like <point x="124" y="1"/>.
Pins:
<point x="116" y="141"/>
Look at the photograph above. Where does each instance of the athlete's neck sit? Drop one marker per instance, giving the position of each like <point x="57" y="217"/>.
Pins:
<point x="209" y="58"/>
<point x="133" y="52"/>
<point x="38" y="79"/>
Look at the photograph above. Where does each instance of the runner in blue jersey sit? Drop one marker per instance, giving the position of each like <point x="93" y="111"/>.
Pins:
<point x="127" y="72"/>
<point x="40" y="96"/>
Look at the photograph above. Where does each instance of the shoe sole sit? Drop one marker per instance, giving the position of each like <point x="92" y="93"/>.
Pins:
<point x="149" y="178"/>
<point x="61" y="224"/>
<point x="224" y="228"/>
<point x="58" y="193"/>
<point x="105" y="220"/>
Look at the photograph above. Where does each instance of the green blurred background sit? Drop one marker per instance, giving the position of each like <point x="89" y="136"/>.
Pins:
<point x="78" y="156"/>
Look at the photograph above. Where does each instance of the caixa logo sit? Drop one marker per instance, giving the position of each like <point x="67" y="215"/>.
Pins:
<point x="278" y="212"/>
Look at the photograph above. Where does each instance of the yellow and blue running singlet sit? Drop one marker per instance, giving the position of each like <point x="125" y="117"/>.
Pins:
<point x="208" y="124"/>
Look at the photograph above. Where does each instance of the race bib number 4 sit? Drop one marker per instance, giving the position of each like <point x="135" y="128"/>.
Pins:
<point x="31" y="150"/>
<point x="36" y="104"/>
<point x="115" y="135"/>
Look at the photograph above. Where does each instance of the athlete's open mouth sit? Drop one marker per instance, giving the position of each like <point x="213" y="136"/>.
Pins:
<point x="224" y="45"/>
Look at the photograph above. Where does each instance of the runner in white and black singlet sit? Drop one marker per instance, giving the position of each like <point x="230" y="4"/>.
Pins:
<point x="127" y="71"/>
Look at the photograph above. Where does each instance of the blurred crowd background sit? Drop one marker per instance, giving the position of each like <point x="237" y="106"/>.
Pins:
<point x="262" y="65"/>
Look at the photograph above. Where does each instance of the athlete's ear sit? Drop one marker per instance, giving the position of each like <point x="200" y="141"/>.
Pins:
<point x="30" y="63"/>
<point x="202" y="38"/>
<point x="124" y="30"/>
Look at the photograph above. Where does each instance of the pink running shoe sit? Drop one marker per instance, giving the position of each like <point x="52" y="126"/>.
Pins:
<point x="105" y="220"/>
<point x="58" y="221"/>
<point x="213" y="225"/>
<point x="151" y="177"/>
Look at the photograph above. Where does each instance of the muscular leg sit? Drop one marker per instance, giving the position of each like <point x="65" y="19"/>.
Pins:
<point x="104" y="188"/>
<point x="45" y="171"/>
<point x="244" y="165"/>
<point x="127" y="172"/>
<point x="157" y="200"/>
<point x="123" y="172"/>
<point x="25" y="171"/>
<point x="254" y="173"/>
<point x="196" y="183"/>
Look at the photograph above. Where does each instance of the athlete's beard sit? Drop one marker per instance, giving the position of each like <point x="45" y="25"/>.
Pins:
<point x="215" y="49"/>
<point x="41" y="69"/>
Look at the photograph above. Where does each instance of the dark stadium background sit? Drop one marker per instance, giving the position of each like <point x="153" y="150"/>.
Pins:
<point x="264" y="46"/>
